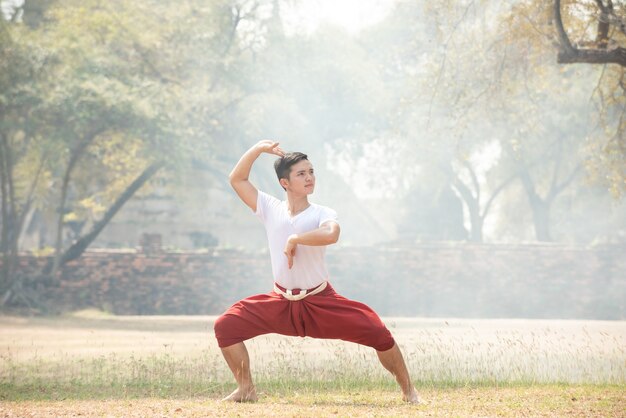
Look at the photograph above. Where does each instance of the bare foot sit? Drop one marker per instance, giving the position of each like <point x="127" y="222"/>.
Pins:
<point x="412" y="397"/>
<point x="242" y="395"/>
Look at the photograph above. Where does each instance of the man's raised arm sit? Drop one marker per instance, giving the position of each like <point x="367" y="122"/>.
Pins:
<point x="239" y="176"/>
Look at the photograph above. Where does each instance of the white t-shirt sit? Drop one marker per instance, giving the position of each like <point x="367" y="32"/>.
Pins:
<point x="309" y="267"/>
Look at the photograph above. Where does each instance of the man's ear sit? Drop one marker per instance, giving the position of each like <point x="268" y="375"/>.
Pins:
<point x="284" y="183"/>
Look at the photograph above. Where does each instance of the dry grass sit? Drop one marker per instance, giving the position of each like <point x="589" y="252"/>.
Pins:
<point x="543" y="401"/>
<point x="91" y="364"/>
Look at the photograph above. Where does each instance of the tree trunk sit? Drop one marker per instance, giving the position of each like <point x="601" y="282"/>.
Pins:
<point x="27" y="210"/>
<point x="540" y="208"/>
<point x="10" y="222"/>
<point x="58" y="241"/>
<point x="476" y="232"/>
<point x="81" y="245"/>
<point x="473" y="207"/>
<point x="6" y="222"/>
<point x="541" y="220"/>
<point x="75" y="156"/>
<point x="13" y="222"/>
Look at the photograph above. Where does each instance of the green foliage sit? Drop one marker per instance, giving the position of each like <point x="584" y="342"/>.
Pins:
<point x="130" y="78"/>
<point x="93" y="93"/>
<point x="431" y="88"/>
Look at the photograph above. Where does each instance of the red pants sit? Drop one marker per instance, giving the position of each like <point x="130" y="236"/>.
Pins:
<point x="325" y="315"/>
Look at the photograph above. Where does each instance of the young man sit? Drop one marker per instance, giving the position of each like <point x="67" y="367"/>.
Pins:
<point x="303" y="303"/>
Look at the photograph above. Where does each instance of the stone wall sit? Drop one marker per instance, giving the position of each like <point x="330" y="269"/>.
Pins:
<point x="488" y="281"/>
<point x="436" y="280"/>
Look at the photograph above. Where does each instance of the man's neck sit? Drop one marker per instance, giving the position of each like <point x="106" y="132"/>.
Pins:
<point x="296" y="204"/>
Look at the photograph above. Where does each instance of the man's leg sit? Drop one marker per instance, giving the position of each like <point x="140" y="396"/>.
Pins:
<point x="248" y="318"/>
<point x="393" y="361"/>
<point x="330" y="315"/>
<point x="238" y="361"/>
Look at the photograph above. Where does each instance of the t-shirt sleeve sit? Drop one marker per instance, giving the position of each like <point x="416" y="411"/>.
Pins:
<point x="327" y="214"/>
<point x="264" y="203"/>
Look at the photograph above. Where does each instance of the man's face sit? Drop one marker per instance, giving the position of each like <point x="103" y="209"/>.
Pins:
<point x="301" y="178"/>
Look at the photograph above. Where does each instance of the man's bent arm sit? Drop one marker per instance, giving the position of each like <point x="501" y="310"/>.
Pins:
<point x="239" y="176"/>
<point x="326" y="234"/>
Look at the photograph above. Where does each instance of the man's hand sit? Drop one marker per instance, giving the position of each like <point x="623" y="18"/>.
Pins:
<point x="270" y="147"/>
<point x="239" y="176"/>
<point x="290" y="250"/>
<point x="327" y="234"/>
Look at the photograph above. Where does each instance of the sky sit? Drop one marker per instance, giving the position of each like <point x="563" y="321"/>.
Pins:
<point x="352" y="15"/>
<point x="6" y="6"/>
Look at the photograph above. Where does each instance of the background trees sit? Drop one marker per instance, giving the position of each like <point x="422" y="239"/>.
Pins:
<point x="451" y="120"/>
<point x="589" y="37"/>
<point x="501" y="118"/>
<point x="96" y="99"/>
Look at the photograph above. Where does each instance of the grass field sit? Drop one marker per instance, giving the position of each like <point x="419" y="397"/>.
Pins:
<point x="91" y="364"/>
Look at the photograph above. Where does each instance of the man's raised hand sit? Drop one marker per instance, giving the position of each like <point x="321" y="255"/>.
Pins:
<point x="270" y="147"/>
<point x="239" y="177"/>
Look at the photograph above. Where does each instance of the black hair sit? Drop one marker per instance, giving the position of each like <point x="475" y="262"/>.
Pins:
<point x="284" y="163"/>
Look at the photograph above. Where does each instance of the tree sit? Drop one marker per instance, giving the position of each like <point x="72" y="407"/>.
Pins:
<point x="486" y="82"/>
<point x="23" y="158"/>
<point x="585" y="32"/>
<point x="101" y="97"/>
<point x="452" y="69"/>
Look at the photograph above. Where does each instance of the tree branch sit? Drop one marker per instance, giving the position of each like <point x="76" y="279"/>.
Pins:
<point x="233" y="31"/>
<point x="143" y="52"/>
<point x="566" y="45"/>
<point x="593" y="56"/>
<point x="602" y="37"/>
<point x="568" y="54"/>
<point x="443" y="63"/>
<point x="496" y="192"/>
<point x="560" y="187"/>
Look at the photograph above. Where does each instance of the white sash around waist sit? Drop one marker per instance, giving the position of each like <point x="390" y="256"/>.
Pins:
<point x="288" y="293"/>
